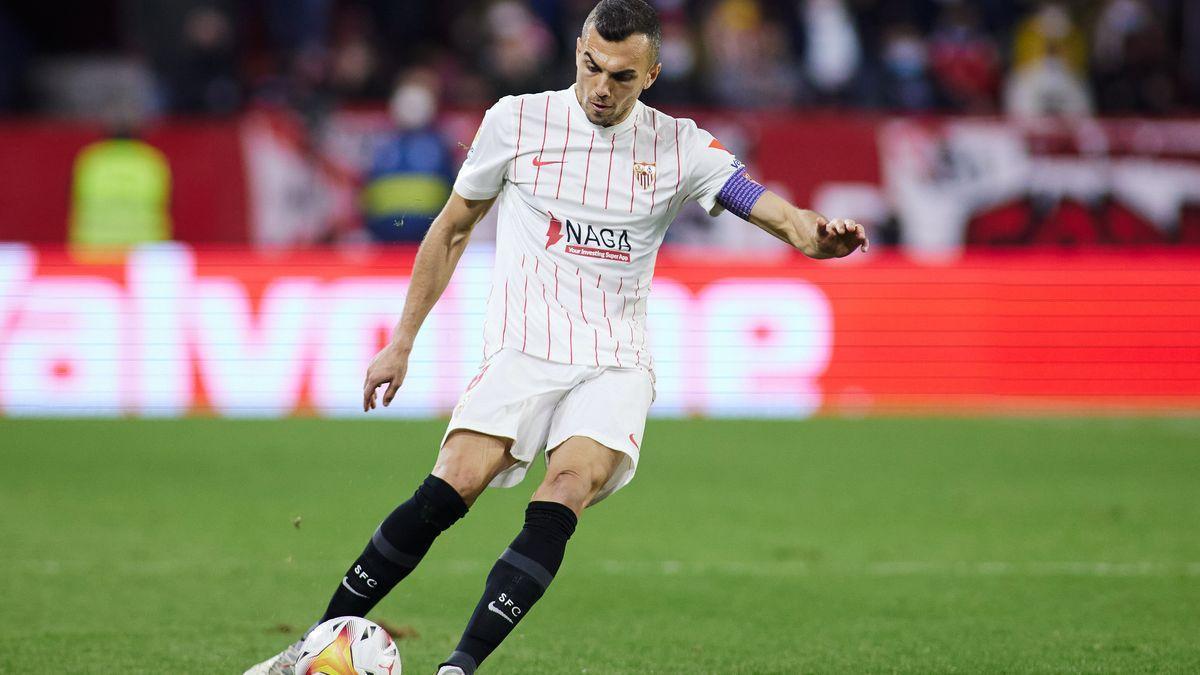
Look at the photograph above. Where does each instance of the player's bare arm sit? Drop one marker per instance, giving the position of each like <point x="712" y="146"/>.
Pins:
<point x="436" y="260"/>
<point x="807" y="231"/>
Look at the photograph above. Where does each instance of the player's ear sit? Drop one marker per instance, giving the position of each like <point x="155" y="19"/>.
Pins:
<point x="578" y="46"/>
<point x="652" y="75"/>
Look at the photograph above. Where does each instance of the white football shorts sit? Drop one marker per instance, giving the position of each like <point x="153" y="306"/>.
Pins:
<point x="539" y="404"/>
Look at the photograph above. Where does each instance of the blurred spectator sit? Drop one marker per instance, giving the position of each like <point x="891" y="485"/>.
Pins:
<point x="120" y="194"/>
<point x="298" y="25"/>
<point x="1050" y="33"/>
<point x="1049" y="55"/>
<point x="518" y="48"/>
<point x="412" y="170"/>
<point x="676" y="83"/>
<point x="13" y="56"/>
<point x="832" y="53"/>
<point x="1189" y="64"/>
<point x="1131" y="64"/>
<point x="299" y="79"/>
<point x="355" y="62"/>
<point x="904" y="80"/>
<point x="408" y="29"/>
<point x="750" y="65"/>
<point x="191" y="45"/>
<point x="1135" y="56"/>
<point x="965" y="60"/>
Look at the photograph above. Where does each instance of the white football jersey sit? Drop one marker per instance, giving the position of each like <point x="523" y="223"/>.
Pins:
<point x="582" y="212"/>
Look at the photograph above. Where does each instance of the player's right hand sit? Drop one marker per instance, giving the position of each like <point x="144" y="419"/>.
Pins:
<point x="388" y="367"/>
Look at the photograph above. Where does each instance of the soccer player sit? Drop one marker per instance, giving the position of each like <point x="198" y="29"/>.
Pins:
<point x="587" y="180"/>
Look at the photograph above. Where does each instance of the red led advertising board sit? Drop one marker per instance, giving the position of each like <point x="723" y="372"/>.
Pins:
<point x="173" y="330"/>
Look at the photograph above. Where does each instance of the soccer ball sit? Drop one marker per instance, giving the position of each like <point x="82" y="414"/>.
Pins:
<point x="348" y="645"/>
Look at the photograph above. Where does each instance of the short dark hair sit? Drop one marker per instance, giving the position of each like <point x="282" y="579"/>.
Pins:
<point x="616" y="20"/>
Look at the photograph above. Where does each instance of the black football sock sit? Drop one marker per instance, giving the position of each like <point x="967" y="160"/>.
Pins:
<point x="518" y="579"/>
<point x="401" y="540"/>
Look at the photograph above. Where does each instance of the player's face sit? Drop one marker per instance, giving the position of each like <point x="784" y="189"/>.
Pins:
<point x="609" y="76"/>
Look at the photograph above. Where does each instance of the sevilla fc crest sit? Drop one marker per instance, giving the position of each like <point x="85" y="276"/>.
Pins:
<point x="643" y="173"/>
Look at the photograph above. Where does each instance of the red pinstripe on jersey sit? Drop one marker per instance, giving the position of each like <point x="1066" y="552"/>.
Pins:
<point x="623" y="298"/>
<point x="570" y="321"/>
<point x="632" y="161"/>
<point x="491" y="291"/>
<point x="641" y="326"/>
<point x="607" y="318"/>
<point x="524" y="307"/>
<point x="520" y="122"/>
<point x="536" y="269"/>
<point x="547" y="321"/>
<point x="581" y="309"/>
<point x="633" y="316"/>
<point x="608" y="183"/>
<point x="583" y="312"/>
<point x="678" y="167"/>
<point x="565" y="313"/>
<point x="571" y="338"/>
<point x="636" y="293"/>
<point x="504" y="329"/>
<point x="563" y="159"/>
<point x="545" y="123"/>
<point x="654" y="187"/>
<point x="678" y="164"/>
<point x="604" y="304"/>
<point x="587" y="170"/>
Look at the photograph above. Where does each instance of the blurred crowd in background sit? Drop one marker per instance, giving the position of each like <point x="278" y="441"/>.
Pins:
<point x="306" y="84"/>
<point x="216" y="57"/>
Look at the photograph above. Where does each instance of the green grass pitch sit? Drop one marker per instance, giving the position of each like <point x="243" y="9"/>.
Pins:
<point x="852" y="546"/>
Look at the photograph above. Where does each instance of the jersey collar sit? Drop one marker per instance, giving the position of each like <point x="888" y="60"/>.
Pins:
<point x="626" y="123"/>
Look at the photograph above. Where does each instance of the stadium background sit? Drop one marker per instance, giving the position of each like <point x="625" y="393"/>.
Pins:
<point x="983" y="447"/>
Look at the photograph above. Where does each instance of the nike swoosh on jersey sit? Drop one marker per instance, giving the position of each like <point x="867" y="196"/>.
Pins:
<point x="537" y="161"/>
<point x="492" y="608"/>
<point x="634" y="441"/>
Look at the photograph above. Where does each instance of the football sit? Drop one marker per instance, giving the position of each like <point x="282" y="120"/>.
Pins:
<point x="348" y="645"/>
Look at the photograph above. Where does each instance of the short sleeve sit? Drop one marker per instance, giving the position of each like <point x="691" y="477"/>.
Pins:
<point x="483" y="173"/>
<point x="709" y="166"/>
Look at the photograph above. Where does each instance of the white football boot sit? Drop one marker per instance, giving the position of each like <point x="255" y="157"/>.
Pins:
<point x="450" y="670"/>
<point x="283" y="663"/>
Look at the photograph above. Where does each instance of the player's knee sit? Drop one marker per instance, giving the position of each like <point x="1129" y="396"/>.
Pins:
<point x="571" y="486"/>
<point x="467" y="479"/>
<point x="468" y="462"/>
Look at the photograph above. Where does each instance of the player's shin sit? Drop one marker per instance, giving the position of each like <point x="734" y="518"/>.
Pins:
<point x="397" y="546"/>
<point x="519" y="578"/>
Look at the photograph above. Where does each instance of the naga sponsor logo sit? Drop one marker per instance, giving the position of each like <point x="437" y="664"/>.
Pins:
<point x="602" y="243"/>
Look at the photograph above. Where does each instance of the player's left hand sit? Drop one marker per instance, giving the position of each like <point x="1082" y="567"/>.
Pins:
<point x="840" y="237"/>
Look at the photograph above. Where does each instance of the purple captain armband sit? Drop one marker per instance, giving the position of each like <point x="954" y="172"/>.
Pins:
<point x="739" y="194"/>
